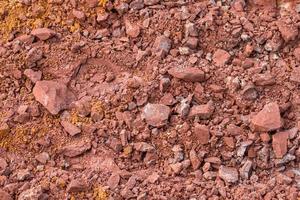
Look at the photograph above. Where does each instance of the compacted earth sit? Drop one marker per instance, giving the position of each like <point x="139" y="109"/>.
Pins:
<point x="149" y="99"/>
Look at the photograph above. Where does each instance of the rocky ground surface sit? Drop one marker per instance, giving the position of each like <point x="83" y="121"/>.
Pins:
<point x="149" y="99"/>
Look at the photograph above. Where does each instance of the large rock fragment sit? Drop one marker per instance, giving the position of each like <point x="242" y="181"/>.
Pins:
<point x="156" y="114"/>
<point x="54" y="96"/>
<point x="192" y="74"/>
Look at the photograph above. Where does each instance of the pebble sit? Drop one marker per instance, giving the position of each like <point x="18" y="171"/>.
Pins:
<point x="77" y="185"/>
<point x="42" y="157"/>
<point x="132" y="29"/>
<point x="156" y="115"/>
<point x="204" y="111"/>
<point x="34" y="76"/>
<point x="161" y="46"/>
<point x="70" y="128"/>
<point x="245" y="170"/>
<point x="192" y="74"/>
<point x="32" y="193"/>
<point x="54" y="96"/>
<point x="113" y="181"/>
<point x="77" y="149"/>
<point x="195" y="161"/>
<point x="221" y="57"/>
<point x="201" y="133"/>
<point x="228" y="174"/>
<point x="43" y="33"/>
<point x="280" y="143"/>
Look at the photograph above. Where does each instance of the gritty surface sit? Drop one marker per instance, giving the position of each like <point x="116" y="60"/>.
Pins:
<point x="149" y="99"/>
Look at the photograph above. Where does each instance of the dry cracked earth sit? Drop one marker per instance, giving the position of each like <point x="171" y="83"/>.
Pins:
<point x="149" y="99"/>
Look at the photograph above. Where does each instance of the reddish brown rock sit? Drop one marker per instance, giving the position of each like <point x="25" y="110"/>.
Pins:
<point x="297" y="54"/>
<point x="76" y="149"/>
<point x="43" y="33"/>
<point x="268" y="119"/>
<point x="195" y="161"/>
<point x="161" y="46"/>
<point x="295" y="75"/>
<point x="34" y="76"/>
<point x="113" y="181"/>
<point x="77" y="185"/>
<point x="201" y="133"/>
<point x="280" y="144"/>
<point x="192" y="74"/>
<point x="228" y="174"/>
<point x="70" y="128"/>
<point x="264" y="79"/>
<point x="156" y="114"/>
<point x="132" y="29"/>
<point x="79" y="15"/>
<point x="229" y="141"/>
<point x="202" y="111"/>
<point x="221" y="57"/>
<point x="4" y="195"/>
<point x="288" y="32"/>
<point x="54" y="96"/>
<point x="26" y="39"/>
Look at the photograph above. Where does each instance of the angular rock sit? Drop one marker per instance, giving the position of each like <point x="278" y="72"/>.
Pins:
<point x="77" y="185"/>
<point x="264" y="79"/>
<point x="3" y="165"/>
<point x="70" y="128"/>
<point x="201" y="133"/>
<point x="42" y="157"/>
<point x="43" y="33"/>
<point x="288" y="32"/>
<point x="202" y="111"/>
<point x="113" y="181"/>
<point x="297" y="53"/>
<point x="143" y="147"/>
<point x="132" y="29"/>
<point x="79" y="15"/>
<point x="192" y="74"/>
<point x="151" y="2"/>
<point x="221" y="57"/>
<point x="77" y="149"/>
<point x="54" y="96"/>
<point x="161" y="46"/>
<point x="156" y="115"/>
<point x="268" y="119"/>
<point x="195" y="161"/>
<point x="30" y="194"/>
<point x="295" y="75"/>
<point x="228" y="174"/>
<point x="4" y="195"/>
<point x="280" y="143"/>
<point x="245" y="170"/>
<point x="34" y="76"/>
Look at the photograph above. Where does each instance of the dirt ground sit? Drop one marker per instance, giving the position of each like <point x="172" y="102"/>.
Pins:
<point x="149" y="99"/>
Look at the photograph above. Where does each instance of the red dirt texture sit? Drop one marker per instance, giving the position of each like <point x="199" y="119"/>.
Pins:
<point x="149" y="99"/>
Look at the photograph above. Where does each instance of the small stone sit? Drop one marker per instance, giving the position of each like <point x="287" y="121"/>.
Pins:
<point x="280" y="143"/>
<point x="77" y="149"/>
<point x="77" y="185"/>
<point x="297" y="53"/>
<point x="54" y="96"/>
<point x="245" y="170"/>
<point x="42" y="157"/>
<point x="201" y="133"/>
<point x="202" y="111"/>
<point x="264" y="79"/>
<point x="288" y="32"/>
<point x="26" y="39"/>
<point x="4" y="195"/>
<point x="295" y="75"/>
<point x="229" y="141"/>
<point x="3" y="165"/>
<point x="177" y="167"/>
<point x="250" y="92"/>
<point x="34" y="76"/>
<point x="143" y="147"/>
<point x="102" y="17"/>
<point x="151" y="2"/>
<point x="221" y="57"/>
<point x="156" y="115"/>
<point x="195" y="161"/>
<point x="132" y="29"/>
<point x="43" y="33"/>
<point x="268" y="119"/>
<point x="161" y="46"/>
<point x="192" y="74"/>
<point x="228" y="174"/>
<point x="23" y="174"/>
<point x="113" y="181"/>
<point x="122" y="8"/>
<point x="70" y="128"/>
<point x="153" y="178"/>
<point x="32" y="193"/>
<point x="192" y="42"/>
<point x="79" y="15"/>
<point x="4" y="129"/>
